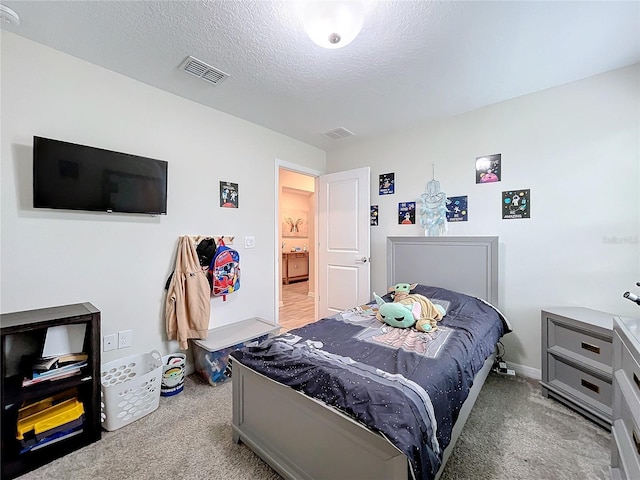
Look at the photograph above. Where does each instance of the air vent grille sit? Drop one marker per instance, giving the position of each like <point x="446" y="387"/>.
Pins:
<point x="338" y="133"/>
<point x="204" y="71"/>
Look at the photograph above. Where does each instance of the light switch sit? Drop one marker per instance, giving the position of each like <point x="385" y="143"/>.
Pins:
<point x="250" y="242"/>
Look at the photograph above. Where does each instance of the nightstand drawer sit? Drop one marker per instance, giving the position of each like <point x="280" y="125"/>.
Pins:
<point x="581" y="385"/>
<point x="580" y="344"/>
<point x="631" y="370"/>
<point x="627" y="439"/>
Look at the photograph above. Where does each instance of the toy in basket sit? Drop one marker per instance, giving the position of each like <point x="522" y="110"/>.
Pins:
<point x="130" y="389"/>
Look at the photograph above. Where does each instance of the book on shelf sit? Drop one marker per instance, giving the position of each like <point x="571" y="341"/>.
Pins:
<point x="44" y="364"/>
<point x="55" y="374"/>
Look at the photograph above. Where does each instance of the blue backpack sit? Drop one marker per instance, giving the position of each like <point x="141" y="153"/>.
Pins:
<point x="224" y="271"/>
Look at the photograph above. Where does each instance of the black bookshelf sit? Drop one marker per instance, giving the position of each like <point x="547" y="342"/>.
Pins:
<point x="22" y="337"/>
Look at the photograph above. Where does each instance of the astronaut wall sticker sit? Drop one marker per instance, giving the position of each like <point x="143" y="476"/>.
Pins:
<point x="457" y="209"/>
<point x="229" y="195"/>
<point x="516" y="204"/>
<point x="386" y="184"/>
<point x="488" y="168"/>
<point x="407" y="213"/>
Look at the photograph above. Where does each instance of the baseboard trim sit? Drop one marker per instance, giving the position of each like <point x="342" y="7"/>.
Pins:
<point x="524" y="371"/>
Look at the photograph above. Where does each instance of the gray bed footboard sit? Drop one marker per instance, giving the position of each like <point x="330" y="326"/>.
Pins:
<point x="304" y="439"/>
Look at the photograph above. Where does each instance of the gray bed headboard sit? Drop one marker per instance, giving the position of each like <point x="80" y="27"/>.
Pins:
<point x="465" y="264"/>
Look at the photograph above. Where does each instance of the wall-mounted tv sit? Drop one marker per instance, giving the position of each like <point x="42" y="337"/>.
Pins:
<point x="78" y="177"/>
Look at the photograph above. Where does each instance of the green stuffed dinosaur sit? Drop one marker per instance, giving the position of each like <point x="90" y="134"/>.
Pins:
<point x="402" y="315"/>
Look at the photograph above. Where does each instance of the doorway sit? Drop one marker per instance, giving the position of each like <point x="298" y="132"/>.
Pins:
<point x="296" y="225"/>
<point x="339" y="266"/>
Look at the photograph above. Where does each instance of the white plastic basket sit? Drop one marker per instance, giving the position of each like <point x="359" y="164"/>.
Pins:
<point x="130" y="389"/>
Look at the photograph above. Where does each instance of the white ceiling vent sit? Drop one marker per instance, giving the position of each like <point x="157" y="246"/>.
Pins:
<point x="338" y="133"/>
<point x="202" y="70"/>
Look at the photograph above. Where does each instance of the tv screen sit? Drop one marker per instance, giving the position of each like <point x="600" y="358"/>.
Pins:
<point x="78" y="177"/>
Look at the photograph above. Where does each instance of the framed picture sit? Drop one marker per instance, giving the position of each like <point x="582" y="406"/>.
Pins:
<point x="295" y="223"/>
<point x="386" y="183"/>
<point x="457" y="209"/>
<point x="488" y="168"/>
<point x="516" y="204"/>
<point x="229" y="195"/>
<point x="374" y="215"/>
<point x="407" y="213"/>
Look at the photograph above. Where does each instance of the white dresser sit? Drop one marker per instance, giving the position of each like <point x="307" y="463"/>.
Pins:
<point x="577" y="357"/>
<point x="625" y="451"/>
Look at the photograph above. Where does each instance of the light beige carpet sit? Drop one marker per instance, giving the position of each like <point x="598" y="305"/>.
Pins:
<point x="513" y="433"/>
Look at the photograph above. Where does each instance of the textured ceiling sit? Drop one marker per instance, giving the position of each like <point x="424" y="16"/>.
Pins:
<point x="413" y="62"/>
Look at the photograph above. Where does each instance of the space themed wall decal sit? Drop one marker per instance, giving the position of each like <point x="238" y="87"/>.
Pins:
<point x="386" y="184"/>
<point x="407" y="213"/>
<point x="457" y="209"/>
<point x="374" y="215"/>
<point x="516" y="204"/>
<point x="488" y="168"/>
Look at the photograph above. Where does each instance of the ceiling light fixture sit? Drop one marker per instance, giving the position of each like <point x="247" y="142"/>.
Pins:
<point x="332" y="23"/>
<point x="9" y="16"/>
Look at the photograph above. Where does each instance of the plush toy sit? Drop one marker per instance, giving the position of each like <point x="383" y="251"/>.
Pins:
<point x="430" y="313"/>
<point x="398" y="314"/>
<point x="401" y="290"/>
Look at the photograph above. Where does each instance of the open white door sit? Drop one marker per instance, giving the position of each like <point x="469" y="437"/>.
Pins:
<point x="343" y="241"/>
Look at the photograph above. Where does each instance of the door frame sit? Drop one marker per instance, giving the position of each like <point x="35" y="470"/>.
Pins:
<point x="294" y="167"/>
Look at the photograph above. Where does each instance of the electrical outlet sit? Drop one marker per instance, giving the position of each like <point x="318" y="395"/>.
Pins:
<point x="250" y="242"/>
<point x="109" y="342"/>
<point x="125" y="338"/>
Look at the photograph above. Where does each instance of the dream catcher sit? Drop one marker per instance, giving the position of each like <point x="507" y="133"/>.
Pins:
<point x="433" y="212"/>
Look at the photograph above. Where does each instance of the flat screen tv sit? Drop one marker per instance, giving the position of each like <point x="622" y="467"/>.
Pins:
<point x="78" y="177"/>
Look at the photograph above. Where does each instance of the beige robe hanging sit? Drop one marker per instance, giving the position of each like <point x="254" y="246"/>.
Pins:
<point x="188" y="303"/>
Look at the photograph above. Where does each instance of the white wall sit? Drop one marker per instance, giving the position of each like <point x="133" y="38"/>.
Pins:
<point x="577" y="147"/>
<point x="120" y="262"/>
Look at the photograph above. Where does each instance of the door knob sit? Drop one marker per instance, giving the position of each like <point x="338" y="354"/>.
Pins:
<point x="362" y="260"/>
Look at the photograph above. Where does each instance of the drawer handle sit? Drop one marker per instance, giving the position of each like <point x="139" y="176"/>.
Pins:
<point x="590" y="386"/>
<point x="636" y="440"/>
<point x="592" y="348"/>
<point x="636" y="379"/>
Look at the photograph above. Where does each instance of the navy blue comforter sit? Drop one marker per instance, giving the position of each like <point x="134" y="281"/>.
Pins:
<point x="405" y="384"/>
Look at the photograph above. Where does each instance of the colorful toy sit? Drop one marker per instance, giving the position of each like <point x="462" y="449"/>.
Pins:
<point x="429" y="312"/>
<point x="401" y="290"/>
<point x="397" y="314"/>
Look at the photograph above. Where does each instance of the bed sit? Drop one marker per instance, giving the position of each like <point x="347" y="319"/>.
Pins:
<point x="348" y="397"/>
